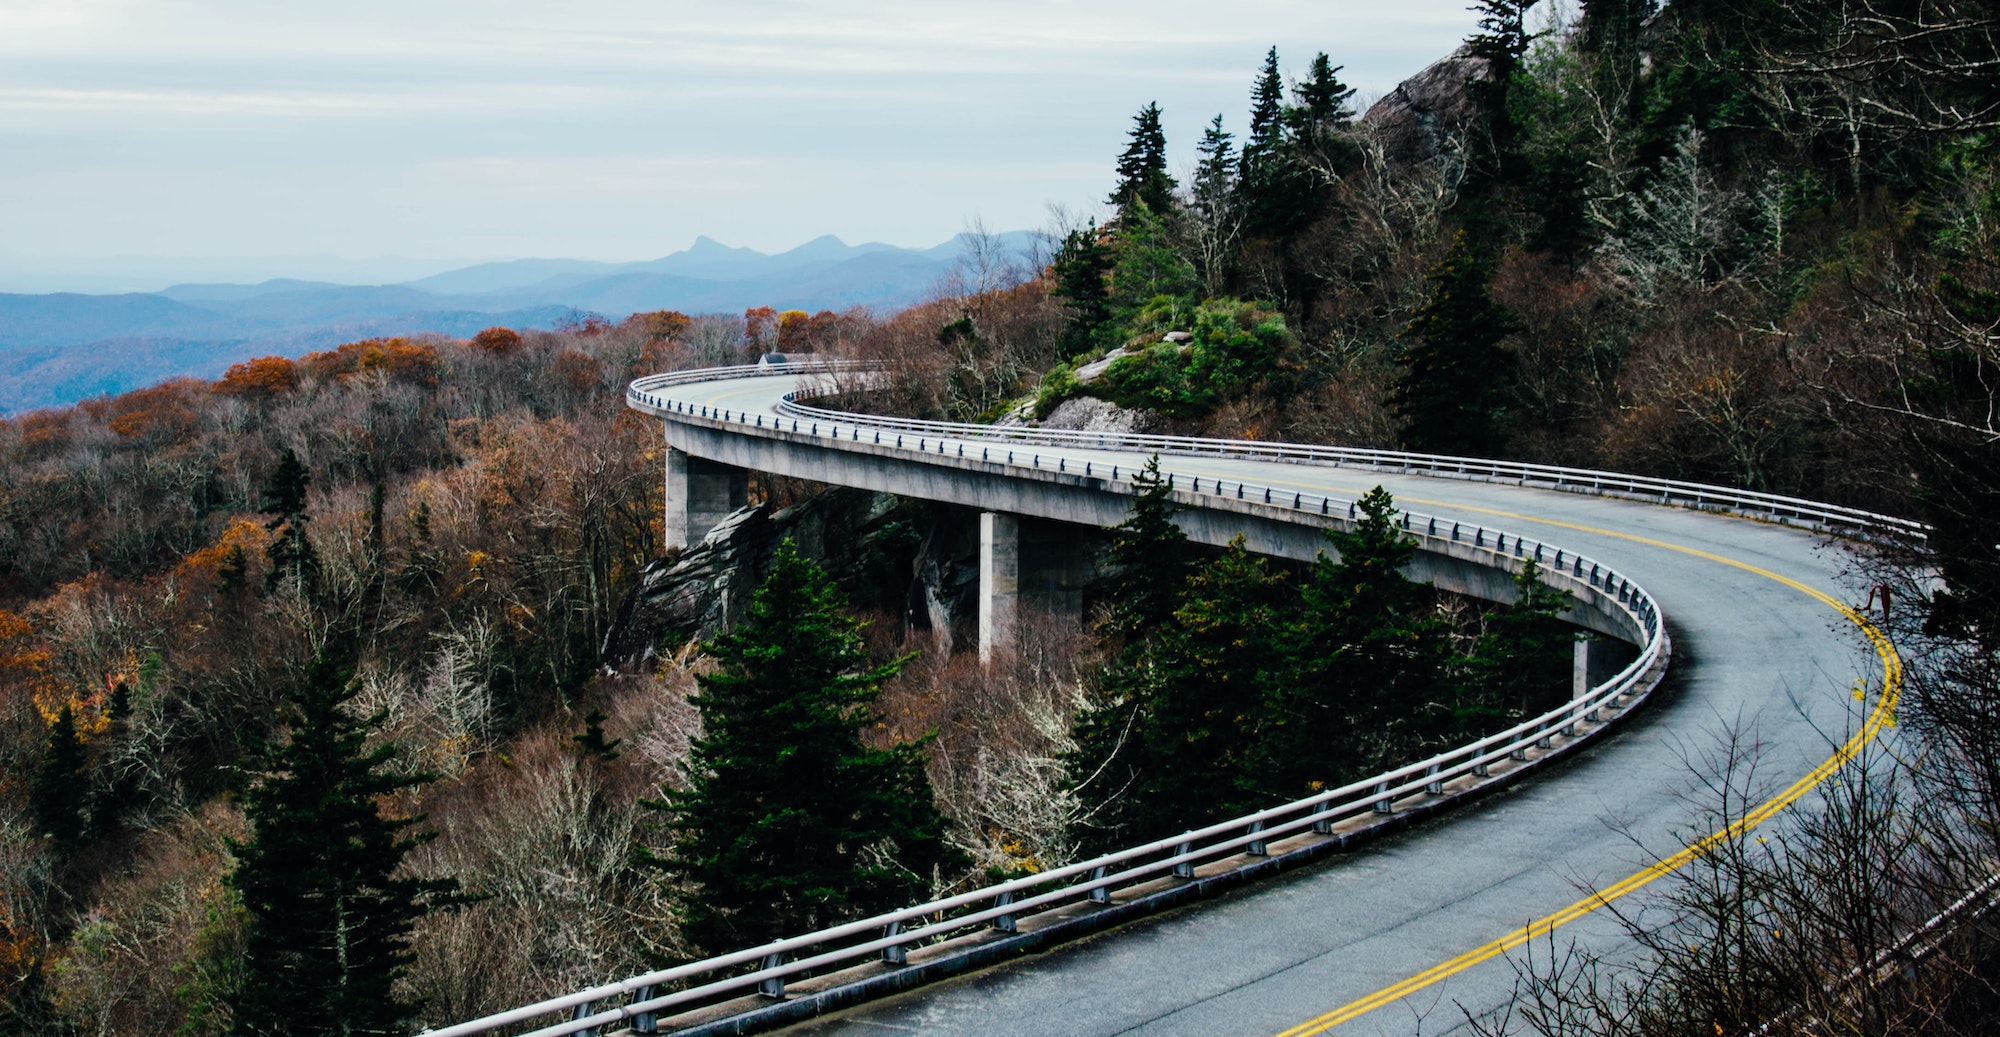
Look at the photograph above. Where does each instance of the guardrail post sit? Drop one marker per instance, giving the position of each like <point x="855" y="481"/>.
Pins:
<point x="895" y="953"/>
<point x="1257" y="848"/>
<point x="645" y="1022"/>
<point x="584" y="1011"/>
<point x="1435" y="788"/>
<point x="1543" y="742"/>
<point x="1481" y="769"/>
<point x="774" y="987"/>
<point x="1520" y="753"/>
<point x="1184" y="869"/>
<point x="1004" y="923"/>
<point x="1383" y="805"/>
<point x="1100" y="894"/>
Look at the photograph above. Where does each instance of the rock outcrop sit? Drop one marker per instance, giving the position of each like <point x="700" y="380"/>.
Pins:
<point x="1090" y="414"/>
<point x="1425" y="110"/>
<point x="890" y="554"/>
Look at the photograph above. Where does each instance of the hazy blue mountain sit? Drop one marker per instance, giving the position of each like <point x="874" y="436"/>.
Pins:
<point x="58" y="348"/>
<point x="514" y="273"/>
<point x="200" y="293"/>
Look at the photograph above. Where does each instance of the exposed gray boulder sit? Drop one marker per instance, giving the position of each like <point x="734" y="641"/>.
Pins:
<point x="1425" y="110"/>
<point x="1090" y="414"/>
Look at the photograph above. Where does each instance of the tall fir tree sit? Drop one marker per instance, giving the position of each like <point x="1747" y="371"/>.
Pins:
<point x="1267" y="119"/>
<point x="1456" y="378"/>
<point x="1142" y="168"/>
<point x="330" y="920"/>
<point x="1265" y="181"/>
<point x="1150" y="558"/>
<point x="1172" y="749"/>
<point x="59" y="793"/>
<point x="790" y="822"/>
<point x="1322" y="100"/>
<point x="1363" y="658"/>
<point x="1213" y="210"/>
<point x="1081" y="266"/>
<point x="1502" y="40"/>
<point x="1215" y="169"/>
<point x="1150" y="561"/>
<point x="1198" y="719"/>
<point x="293" y="560"/>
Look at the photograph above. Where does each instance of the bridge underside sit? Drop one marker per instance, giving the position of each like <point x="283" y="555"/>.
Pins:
<point x="991" y="486"/>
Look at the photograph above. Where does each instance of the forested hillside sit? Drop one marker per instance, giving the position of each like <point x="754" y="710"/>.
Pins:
<point x="1746" y="243"/>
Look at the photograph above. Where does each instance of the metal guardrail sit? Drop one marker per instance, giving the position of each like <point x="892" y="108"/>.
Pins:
<point x="640" y="1000"/>
<point x="1831" y="517"/>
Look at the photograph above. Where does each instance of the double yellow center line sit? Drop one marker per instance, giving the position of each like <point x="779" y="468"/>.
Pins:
<point x="1881" y="716"/>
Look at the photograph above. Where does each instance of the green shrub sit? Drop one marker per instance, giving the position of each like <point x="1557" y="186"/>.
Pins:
<point x="1058" y="385"/>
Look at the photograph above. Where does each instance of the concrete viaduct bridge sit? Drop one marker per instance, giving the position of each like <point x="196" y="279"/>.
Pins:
<point x="1741" y="590"/>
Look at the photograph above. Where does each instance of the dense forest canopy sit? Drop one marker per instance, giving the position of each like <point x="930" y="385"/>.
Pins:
<point x="1748" y="243"/>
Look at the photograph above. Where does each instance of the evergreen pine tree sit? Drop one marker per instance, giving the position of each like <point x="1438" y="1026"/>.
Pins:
<point x="790" y="822"/>
<point x="59" y="792"/>
<point x="1362" y="657"/>
<point x="1214" y="211"/>
<point x="1198" y="720"/>
<point x="1267" y="120"/>
<point x="1079" y="270"/>
<point x="1150" y="558"/>
<point x="1522" y="663"/>
<point x="293" y="559"/>
<point x="1142" y="168"/>
<point x="1215" y="170"/>
<point x="1149" y="261"/>
<point x="1322" y="99"/>
<point x="1267" y="182"/>
<point x="329" y="920"/>
<point x="1150" y="561"/>
<point x="1502" y="40"/>
<point x="1455" y="378"/>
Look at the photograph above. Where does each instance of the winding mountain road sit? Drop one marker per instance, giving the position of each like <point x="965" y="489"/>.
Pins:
<point x="1758" y="653"/>
<point x="1411" y="931"/>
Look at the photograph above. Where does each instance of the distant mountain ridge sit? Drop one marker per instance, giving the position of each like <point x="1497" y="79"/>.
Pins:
<point x="61" y="347"/>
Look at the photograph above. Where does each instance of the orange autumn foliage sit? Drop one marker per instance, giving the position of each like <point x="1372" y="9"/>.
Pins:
<point x="162" y="415"/>
<point x="261" y="378"/>
<point x="758" y="324"/>
<point x="497" y="341"/>
<point x="659" y="324"/>
<point x="415" y="362"/>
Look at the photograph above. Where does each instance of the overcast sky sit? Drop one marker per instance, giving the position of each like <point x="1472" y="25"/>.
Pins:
<point x="447" y="130"/>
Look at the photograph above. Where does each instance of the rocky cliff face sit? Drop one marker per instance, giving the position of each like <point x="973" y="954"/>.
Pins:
<point x="906" y="558"/>
<point x="1425" y="110"/>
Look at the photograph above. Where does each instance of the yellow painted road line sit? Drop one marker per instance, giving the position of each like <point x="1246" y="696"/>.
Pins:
<point x="1880" y="717"/>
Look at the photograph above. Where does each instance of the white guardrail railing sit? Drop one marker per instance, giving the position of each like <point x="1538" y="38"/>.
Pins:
<point x="640" y="1002"/>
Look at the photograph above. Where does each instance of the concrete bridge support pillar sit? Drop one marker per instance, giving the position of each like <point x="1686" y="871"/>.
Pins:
<point x="1580" y="682"/>
<point x="700" y="494"/>
<point x="1598" y="659"/>
<point x="999" y="581"/>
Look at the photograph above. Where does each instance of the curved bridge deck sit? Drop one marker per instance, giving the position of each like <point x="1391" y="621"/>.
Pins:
<point x="1378" y="941"/>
